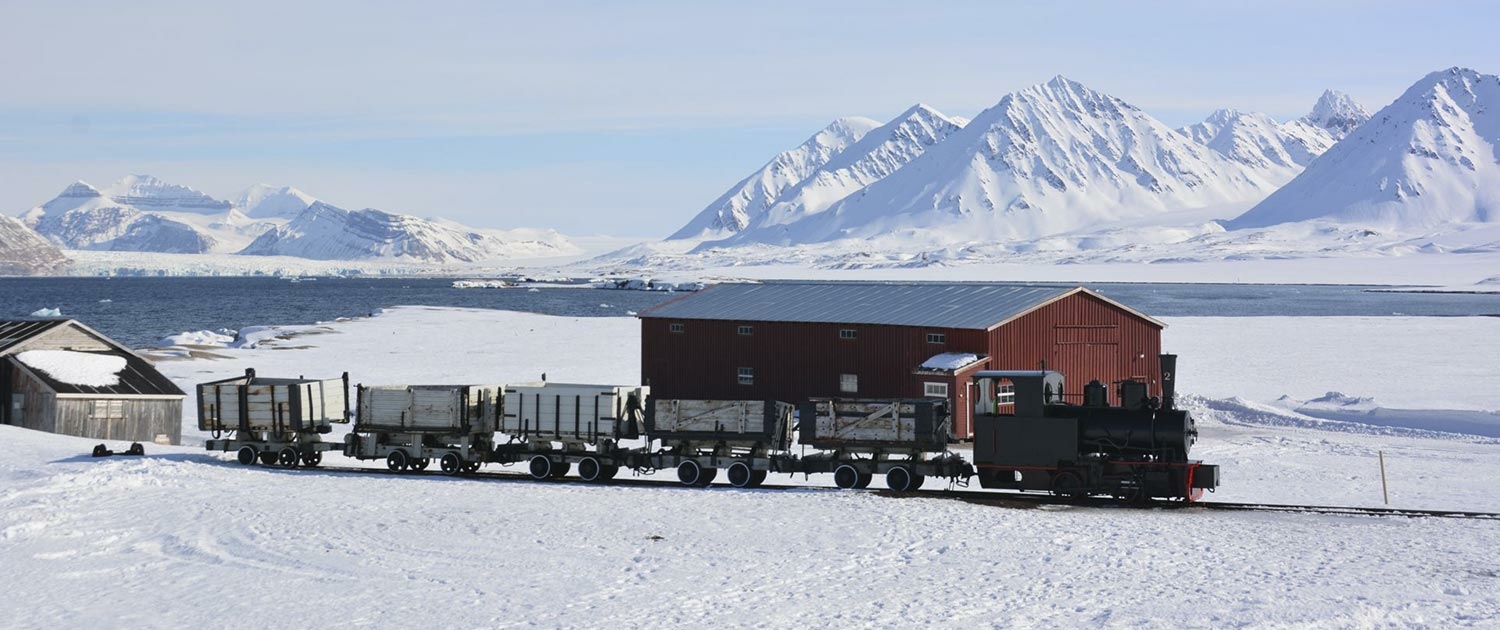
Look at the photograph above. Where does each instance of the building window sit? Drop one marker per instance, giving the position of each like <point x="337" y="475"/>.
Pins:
<point x="848" y="333"/>
<point x="108" y="410"/>
<point x="677" y="328"/>
<point x="935" y="390"/>
<point x="747" y="330"/>
<point x="849" y="383"/>
<point x="747" y="376"/>
<point x="937" y="338"/>
<point x="1005" y="394"/>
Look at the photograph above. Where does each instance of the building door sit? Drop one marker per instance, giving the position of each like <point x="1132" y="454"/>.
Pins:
<point x="1084" y="362"/>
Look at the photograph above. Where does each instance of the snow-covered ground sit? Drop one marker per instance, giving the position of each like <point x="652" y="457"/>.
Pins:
<point x="182" y="537"/>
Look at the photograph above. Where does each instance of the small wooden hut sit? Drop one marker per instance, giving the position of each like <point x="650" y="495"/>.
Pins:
<point x="61" y="376"/>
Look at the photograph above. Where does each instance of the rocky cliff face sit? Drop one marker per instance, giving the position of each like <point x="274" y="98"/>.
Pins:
<point x="23" y="252"/>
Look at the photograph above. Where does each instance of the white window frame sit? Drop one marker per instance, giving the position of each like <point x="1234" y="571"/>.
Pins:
<point x="746" y="330"/>
<point x="1005" y="393"/>
<point x="848" y="333"/>
<point x="746" y="376"/>
<point x="849" y="383"/>
<point x="937" y="337"/>
<point x="933" y="389"/>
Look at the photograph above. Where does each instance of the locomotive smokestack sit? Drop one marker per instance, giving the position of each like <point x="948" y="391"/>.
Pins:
<point x="1168" y="381"/>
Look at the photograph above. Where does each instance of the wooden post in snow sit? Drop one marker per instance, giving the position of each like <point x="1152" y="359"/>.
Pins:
<point x="1384" y="488"/>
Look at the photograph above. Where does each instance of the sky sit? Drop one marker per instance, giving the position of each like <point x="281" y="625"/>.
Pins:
<point x="625" y="119"/>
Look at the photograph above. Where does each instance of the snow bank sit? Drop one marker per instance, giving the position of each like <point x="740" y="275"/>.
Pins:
<point x="76" y="368"/>
<point x="949" y="361"/>
<point x="217" y="338"/>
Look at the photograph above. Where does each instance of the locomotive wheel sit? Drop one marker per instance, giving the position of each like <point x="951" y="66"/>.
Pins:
<point x="590" y="469"/>
<point x="740" y="475"/>
<point x="451" y="464"/>
<point x="288" y="457"/>
<point x="472" y="467"/>
<point x="419" y="463"/>
<point x="609" y="472"/>
<point x="312" y="459"/>
<point x="863" y="481"/>
<point x="901" y="479"/>
<point x="396" y="461"/>
<point x="540" y="467"/>
<point x="267" y="458"/>
<point x="846" y="477"/>
<point x="1067" y="484"/>
<point x="247" y="455"/>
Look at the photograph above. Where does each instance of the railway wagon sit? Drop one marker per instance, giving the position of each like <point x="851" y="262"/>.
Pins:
<point x="278" y="421"/>
<point x="906" y="440"/>
<point x="558" y="425"/>
<point x="747" y="438"/>
<point x="409" y="426"/>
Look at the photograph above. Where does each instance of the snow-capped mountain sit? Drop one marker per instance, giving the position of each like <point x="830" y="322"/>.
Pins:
<point x="84" y="217"/>
<point x="1336" y="113"/>
<point x="1426" y="160"/>
<point x="264" y="201"/>
<point x="24" y="252"/>
<point x="878" y="154"/>
<point x="1277" y="151"/>
<point x="1050" y="158"/>
<point x="149" y="193"/>
<point x="327" y="232"/>
<point x="752" y="196"/>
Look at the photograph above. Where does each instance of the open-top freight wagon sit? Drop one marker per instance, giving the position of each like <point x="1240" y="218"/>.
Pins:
<point x="277" y="421"/>
<point x="906" y="440"/>
<point x="410" y="426"/>
<point x="747" y="438"/>
<point x="555" y="426"/>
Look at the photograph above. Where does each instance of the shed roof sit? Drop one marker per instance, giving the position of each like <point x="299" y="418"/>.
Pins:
<point x="979" y="306"/>
<point x="139" y="378"/>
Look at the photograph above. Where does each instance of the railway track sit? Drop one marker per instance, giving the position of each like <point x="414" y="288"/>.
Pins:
<point x="983" y="497"/>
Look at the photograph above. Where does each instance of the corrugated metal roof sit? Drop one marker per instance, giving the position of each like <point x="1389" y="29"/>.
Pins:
<point x="938" y="305"/>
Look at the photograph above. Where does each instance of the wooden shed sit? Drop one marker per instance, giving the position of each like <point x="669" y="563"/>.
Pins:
<point x="792" y="341"/>
<point x="61" y="376"/>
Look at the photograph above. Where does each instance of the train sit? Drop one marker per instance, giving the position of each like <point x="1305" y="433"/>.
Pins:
<point x="1026" y="436"/>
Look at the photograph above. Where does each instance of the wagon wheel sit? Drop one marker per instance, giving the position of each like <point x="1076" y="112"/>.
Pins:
<point x="740" y="474"/>
<point x="540" y="467"/>
<point x="757" y="477"/>
<point x="451" y="464"/>
<point x="608" y="472"/>
<point x="396" y="461"/>
<point x="863" y="481"/>
<point x="419" y="464"/>
<point x="561" y="470"/>
<point x="590" y="469"/>
<point x="288" y="457"/>
<point x="472" y="467"/>
<point x="267" y="458"/>
<point x="846" y="477"/>
<point x="247" y="455"/>
<point x="312" y="459"/>
<point x="902" y="479"/>
<point x="1068" y="484"/>
<point x="689" y="473"/>
<point x="707" y="478"/>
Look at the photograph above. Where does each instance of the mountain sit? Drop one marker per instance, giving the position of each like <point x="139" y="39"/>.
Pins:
<point x="1276" y="151"/>
<point x="149" y="193"/>
<point x="263" y="201"/>
<point x="878" y="154"/>
<point x="84" y="217"/>
<point x="752" y="196"/>
<point x="24" y="252"/>
<point x="1429" y="159"/>
<point x="1336" y="113"/>
<point x="327" y="232"/>
<point x="1048" y="159"/>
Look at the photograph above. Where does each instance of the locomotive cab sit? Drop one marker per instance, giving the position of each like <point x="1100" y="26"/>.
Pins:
<point x="1034" y="440"/>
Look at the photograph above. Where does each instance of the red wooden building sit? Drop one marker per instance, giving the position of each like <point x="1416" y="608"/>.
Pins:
<point x="793" y="340"/>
